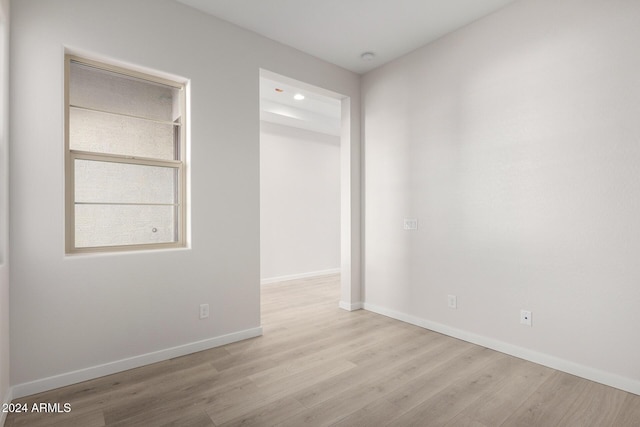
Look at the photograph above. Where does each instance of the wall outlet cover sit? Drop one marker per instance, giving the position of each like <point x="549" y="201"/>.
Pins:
<point x="452" y="301"/>
<point x="204" y="311"/>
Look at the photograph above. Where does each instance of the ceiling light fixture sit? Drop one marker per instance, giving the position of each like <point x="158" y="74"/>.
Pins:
<point x="368" y="56"/>
<point x="298" y="97"/>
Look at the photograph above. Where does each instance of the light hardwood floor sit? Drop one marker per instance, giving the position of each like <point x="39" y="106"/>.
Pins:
<point x="317" y="365"/>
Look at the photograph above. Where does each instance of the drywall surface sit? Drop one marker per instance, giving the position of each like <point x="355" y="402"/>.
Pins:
<point x="299" y="201"/>
<point x="73" y="315"/>
<point x="4" y="207"/>
<point x="515" y="142"/>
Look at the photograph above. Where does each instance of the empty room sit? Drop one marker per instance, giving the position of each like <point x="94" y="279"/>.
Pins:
<point x="322" y="213"/>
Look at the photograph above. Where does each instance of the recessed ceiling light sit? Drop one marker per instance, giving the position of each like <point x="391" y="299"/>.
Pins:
<point x="298" y="97"/>
<point x="368" y="56"/>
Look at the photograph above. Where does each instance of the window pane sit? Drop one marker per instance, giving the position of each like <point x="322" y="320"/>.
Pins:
<point x="107" y="182"/>
<point x="107" y="133"/>
<point x="123" y="201"/>
<point x="90" y="87"/>
<point x="114" y="225"/>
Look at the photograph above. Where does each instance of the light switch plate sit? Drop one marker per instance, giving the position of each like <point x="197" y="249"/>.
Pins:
<point x="410" y="224"/>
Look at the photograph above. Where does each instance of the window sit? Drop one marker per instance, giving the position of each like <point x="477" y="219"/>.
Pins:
<point x="125" y="153"/>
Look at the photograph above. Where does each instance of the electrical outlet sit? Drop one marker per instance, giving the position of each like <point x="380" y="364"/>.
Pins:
<point x="204" y="311"/>
<point x="452" y="301"/>
<point x="525" y="317"/>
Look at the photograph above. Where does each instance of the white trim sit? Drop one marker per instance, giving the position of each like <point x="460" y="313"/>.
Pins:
<point x="45" y="384"/>
<point x="299" y="276"/>
<point x="7" y="399"/>
<point x="603" y="377"/>
<point x="350" y="307"/>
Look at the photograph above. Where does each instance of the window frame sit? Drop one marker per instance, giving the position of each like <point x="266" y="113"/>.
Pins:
<point x="72" y="155"/>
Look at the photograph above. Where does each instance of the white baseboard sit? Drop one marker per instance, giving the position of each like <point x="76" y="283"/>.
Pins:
<point x="7" y="399"/>
<point x="44" y="384"/>
<point x="603" y="377"/>
<point x="268" y="280"/>
<point x="350" y="306"/>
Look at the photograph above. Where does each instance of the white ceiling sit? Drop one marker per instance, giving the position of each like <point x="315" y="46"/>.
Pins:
<point x="339" y="31"/>
<point x="315" y="112"/>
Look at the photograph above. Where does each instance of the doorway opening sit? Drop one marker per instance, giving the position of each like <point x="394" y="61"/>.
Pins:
<point x="305" y="185"/>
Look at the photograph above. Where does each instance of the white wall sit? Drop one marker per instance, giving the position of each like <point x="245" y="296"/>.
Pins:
<point x="5" y="394"/>
<point x="516" y="143"/>
<point x="75" y="313"/>
<point x="299" y="202"/>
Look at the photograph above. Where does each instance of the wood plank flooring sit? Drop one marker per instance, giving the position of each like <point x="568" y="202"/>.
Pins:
<point x="317" y="365"/>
